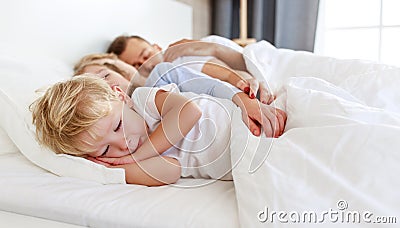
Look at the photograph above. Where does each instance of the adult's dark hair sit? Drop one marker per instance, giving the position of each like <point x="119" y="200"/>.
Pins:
<point x="119" y="44"/>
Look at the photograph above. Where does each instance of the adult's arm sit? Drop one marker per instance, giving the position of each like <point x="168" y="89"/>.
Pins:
<point x="231" y="57"/>
<point x="226" y="54"/>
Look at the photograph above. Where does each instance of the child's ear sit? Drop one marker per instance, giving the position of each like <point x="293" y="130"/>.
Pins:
<point x="121" y="94"/>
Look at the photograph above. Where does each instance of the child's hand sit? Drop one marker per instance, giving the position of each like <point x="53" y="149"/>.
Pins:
<point x="98" y="161"/>
<point x="127" y="159"/>
<point x="256" y="115"/>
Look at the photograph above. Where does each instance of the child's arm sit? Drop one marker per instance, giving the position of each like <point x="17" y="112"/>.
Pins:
<point x="179" y="115"/>
<point x="154" y="171"/>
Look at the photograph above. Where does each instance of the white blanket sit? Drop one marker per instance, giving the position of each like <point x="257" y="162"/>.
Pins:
<point x="338" y="161"/>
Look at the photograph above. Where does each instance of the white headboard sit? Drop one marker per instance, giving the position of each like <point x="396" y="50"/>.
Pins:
<point x="69" y="29"/>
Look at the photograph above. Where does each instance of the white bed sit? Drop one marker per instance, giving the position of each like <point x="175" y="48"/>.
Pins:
<point x="40" y="42"/>
<point x="339" y="152"/>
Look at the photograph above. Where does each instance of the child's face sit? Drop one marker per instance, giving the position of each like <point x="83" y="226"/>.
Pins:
<point x="113" y="78"/>
<point x="121" y="132"/>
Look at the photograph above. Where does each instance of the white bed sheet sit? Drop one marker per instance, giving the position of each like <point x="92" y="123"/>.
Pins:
<point x="9" y="219"/>
<point x="30" y="190"/>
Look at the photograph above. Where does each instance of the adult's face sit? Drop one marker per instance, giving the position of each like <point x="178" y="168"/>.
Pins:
<point x="141" y="55"/>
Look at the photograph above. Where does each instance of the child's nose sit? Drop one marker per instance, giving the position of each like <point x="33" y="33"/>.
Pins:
<point x="119" y="142"/>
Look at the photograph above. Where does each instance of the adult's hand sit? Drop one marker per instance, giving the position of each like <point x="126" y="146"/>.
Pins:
<point x="251" y="86"/>
<point x="187" y="47"/>
<point x="182" y="41"/>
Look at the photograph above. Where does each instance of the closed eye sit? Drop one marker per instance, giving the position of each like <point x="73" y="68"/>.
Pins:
<point x="105" y="151"/>
<point x="136" y="65"/>
<point x="119" y="126"/>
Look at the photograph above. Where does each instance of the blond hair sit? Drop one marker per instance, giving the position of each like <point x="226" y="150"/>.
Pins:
<point x="93" y="60"/>
<point x="70" y="108"/>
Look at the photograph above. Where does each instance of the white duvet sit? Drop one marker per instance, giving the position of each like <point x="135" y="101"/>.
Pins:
<point x="339" y="159"/>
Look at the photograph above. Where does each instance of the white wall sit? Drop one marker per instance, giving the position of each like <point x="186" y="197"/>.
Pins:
<point x="69" y="29"/>
<point x="201" y="17"/>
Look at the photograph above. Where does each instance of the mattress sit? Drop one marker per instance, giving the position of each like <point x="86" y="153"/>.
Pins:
<point x="30" y="190"/>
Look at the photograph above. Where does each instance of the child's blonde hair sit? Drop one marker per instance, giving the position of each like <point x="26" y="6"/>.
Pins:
<point x="70" y="108"/>
<point x="92" y="59"/>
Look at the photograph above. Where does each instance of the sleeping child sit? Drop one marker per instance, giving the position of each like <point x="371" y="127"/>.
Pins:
<point x="117" y="73"/>
<point x="163" y="73"/>
<point x="157" y="136"/>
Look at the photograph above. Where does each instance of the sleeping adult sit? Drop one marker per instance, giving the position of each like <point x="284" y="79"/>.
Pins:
<point x="143" y="55"/>
<point x="185" y="79"/>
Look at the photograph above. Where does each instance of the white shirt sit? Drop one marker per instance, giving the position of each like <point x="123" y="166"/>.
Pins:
<point x="205" y="150"/>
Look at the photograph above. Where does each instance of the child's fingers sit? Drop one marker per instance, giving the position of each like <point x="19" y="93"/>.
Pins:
<point x="254" y="128"/>
<point x="282" y="120"/>
<point x="117" y="161"/>
<point x="277" y="119"/>
<point x="252" y="125"/>
<point x="107" y="160"/>
<point x="98" y="161"/>
<point x="268" y="124"/>
<point x="272" y="121"/>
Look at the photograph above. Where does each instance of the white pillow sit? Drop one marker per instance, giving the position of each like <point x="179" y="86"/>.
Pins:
<point x="19" y="79"/>
<point x="6" y="144"/>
